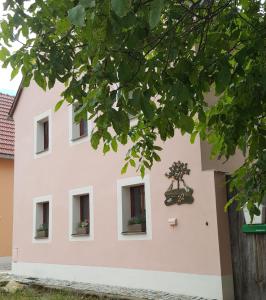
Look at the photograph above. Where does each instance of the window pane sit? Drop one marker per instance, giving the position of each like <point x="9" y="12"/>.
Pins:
<point x="83" y="127"/>
<point x="45" y="135"/>
<point x="137" y="201"/>
<point x="84" y="208"/>
<point x="46" y="213"/>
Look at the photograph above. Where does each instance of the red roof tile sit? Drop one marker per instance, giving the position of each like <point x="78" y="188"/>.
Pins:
<point x="7" y="127"/>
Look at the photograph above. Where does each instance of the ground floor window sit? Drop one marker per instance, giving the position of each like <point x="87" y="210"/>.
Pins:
<point x="137" y="221"/>
<point x="42" y="218"/>
<point x="81" y="213"/>
<point x="133" y="201"/>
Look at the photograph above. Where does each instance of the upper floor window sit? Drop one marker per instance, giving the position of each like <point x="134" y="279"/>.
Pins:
<point x="42" y="133"/>
<point x="78" y="130"/>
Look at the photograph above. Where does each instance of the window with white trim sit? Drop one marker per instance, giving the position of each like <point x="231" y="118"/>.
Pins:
<point x="134" y="208"/>
<point x="80" y="128"/>
<point x="42" y="134"/>
<point x="42" y="218"/>
<point x="81" y="217"/>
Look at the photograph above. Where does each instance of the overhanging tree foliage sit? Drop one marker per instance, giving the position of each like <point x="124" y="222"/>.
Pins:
<point x="154" y="60"/>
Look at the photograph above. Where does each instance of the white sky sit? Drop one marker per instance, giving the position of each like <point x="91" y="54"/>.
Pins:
<point x="6" y="85"/>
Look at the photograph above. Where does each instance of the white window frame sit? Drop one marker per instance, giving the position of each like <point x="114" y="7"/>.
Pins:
<point x="70" y="128"/>
<point x="77" y="192"/>
<point x="37" y="200"/>
<point x="127" y="182"/>
<point x="37" y="119"/>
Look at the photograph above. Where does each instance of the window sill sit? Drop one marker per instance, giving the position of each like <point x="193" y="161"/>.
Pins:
<point x="41" y="238"/>
<point x="80" y="234"/>
<point x="79" y="138"/>
<point x="133" y="233"/>
<point x="42" y="151"/>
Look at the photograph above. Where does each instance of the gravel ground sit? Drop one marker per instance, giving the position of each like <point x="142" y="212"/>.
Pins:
<point x="100" y="290"/>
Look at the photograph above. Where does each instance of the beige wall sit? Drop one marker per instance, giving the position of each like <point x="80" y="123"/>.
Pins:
<point x="6" y="205"/>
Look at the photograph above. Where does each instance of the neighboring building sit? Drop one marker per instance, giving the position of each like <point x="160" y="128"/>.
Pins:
<point x="7" y="136"/>
<point x="72" y="208"/>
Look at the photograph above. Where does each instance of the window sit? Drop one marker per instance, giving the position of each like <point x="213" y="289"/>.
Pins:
<point x="42" y="219"/>
<point x="137" y="222"/>
<point x="134" y="208"/>
<point x="42" y="134"/>
<point x="45" y="135"/>
<point x="78" y="130"/>
<point x="81" y="218"/>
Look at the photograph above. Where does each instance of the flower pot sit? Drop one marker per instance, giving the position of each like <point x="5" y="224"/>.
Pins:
<point x="134" y="228"/>
<point x="83" y="230"/>
<point x="42" y="233"/>
<point x="261" y="219"/>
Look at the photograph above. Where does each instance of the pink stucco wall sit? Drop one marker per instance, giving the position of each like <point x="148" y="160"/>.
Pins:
<point x="191" y="247"/>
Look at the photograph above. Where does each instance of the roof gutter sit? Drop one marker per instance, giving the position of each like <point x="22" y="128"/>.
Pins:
<point x="15" y="102"/>
<point x="6" y="156"/>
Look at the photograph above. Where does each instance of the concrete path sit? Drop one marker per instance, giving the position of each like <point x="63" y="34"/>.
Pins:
<point x="99" y="290"/>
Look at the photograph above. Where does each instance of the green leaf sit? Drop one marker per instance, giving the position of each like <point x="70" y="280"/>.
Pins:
<point x="25" y="30"/>
<point x="26" y="80"/>
<point x="156" y="156"/>
<point x="4" y="53"/>
<point x="87" y="3"/>
<point x="193" y="137"/>
<point x="124" y="72"/>
<point x="222" y="79"/>
<point x="155" y="13"/>
<point x="132" y="163"/>
<point x="142" y="171"/>
<point x="147" y="107"/>
<point x="158" y="148"/>
<point x="124" y="169"/>
<point x="62" y="26"/>
<point x="114" y="145"/>
<point x="120" y="121"/>
<point x="106" y="148"/>
<point x="14" y="72"/>
<point x="95" y="140"/>
<point x="187" y="123"/>
<point x="58" y="105"/>
<point x="40" y="80"/>
<point x="76" y="15"/>
<point x="121" y="7"/>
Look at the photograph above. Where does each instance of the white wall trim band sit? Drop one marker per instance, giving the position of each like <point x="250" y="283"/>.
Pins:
<point x="5" y="259"/>
<point x="208" y="286"/>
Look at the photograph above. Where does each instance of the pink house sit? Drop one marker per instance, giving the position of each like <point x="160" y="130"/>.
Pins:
<point x="77" y="218"/>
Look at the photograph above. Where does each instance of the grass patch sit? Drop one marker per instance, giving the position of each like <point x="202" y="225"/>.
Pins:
<point x="42" y="293"/>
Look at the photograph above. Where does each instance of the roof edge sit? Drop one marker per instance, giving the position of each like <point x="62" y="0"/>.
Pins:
<point x="15" y="102"/>
<point x="7" y="156"/>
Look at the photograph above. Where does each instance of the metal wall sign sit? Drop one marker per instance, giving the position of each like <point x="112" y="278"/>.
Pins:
<point x="178" y="195"/>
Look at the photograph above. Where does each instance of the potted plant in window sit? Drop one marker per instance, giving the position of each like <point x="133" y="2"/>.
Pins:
<point x="137" y="224"/>
<point x="83" y="227"/>
<point x="42" y="231"/>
